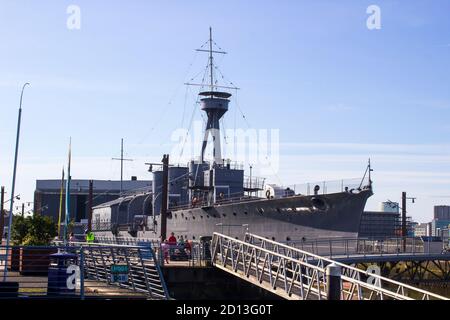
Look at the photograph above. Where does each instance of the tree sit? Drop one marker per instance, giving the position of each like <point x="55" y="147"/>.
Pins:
<point x="19" y="229"/>
<point x="36" y="230"/>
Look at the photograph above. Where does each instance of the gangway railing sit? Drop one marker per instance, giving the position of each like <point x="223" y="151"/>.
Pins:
<point x="194" y="253"/>
<point x="81" y="271"/>
<point x="347" y="247"/>
<point x="296" y="274"/>
<point x="144" y="273"/>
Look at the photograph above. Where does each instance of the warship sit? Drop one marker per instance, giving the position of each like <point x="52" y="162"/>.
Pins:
<point x="212" y="195"/>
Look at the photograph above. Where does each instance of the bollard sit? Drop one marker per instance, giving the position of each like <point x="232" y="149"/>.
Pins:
<point x="333" y="273"/>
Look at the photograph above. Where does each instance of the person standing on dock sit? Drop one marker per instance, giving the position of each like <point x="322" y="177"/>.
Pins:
<point x="172" y="243"/>
<point x="172" y="239"/>
<point x="90" y="236"/>
<point x="165" y="251"/>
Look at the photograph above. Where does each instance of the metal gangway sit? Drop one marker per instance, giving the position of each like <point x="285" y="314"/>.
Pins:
<point x="144" y="272"/>
<point x="295" y="274"/>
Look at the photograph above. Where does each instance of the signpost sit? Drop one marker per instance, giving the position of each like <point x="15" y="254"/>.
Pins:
<point x="119" y="273"/>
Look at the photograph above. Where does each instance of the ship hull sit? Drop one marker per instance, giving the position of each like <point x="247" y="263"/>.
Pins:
<point x="283" y="219"/>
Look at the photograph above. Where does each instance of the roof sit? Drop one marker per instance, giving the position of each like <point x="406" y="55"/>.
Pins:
<point x="99" y="185"/>
<point x="121" y="199"/>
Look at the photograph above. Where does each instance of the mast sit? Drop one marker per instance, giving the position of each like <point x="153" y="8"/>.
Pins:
<point x="211" y="62"/>
<point x="60" y="203"/>
<point x="67" y="218"/>
<point x="215" y="104"/>
<point x="121" y="165"/>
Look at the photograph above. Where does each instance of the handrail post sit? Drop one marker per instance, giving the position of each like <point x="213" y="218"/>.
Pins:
<point x="331" y="250"/>
<point x="333" y="273"/>
<point x="81" y="273"/>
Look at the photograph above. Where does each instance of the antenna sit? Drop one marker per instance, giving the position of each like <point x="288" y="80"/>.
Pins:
<point x="211" y="68"/>
<point x="121" y="165"/>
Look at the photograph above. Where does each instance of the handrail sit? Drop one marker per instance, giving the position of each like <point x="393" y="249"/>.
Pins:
<point x="313" y="274"/>
<point x="344" y="266"/>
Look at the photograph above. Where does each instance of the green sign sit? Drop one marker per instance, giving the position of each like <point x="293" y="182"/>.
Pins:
<point x="119" y="273"/>
<point x="119" y="268"/>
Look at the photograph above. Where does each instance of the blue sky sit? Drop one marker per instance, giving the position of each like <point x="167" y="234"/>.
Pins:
<point x="338" y="92"/>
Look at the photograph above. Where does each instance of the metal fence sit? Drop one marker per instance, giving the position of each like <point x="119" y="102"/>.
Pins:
<point x="193" y="253"/>
<point x="81" y="271"/>
<point x="346" y="247"/>
<point x="296" y="274"/>
<point x="327" y="187"/>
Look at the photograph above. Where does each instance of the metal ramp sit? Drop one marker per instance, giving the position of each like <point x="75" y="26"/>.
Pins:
<point x="295" y="274"/>
<point x="144" y="272"/>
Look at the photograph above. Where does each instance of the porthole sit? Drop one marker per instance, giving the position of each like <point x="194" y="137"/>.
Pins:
<point x="245" y="212"/>
<point x="319" y="204"/>
<point x="224" y="215"/>
<point x="234" y="214"/>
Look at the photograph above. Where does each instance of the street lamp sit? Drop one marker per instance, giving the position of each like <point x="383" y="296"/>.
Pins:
<point x="16" y="197"/>
<point x="5" y="274"/>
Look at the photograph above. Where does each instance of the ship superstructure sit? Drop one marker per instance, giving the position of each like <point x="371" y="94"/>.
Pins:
<point x="215" y="195"/>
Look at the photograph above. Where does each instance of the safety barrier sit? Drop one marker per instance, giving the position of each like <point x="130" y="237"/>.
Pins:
<point x="296" y="274"/>
<point x="194" y="254"/>
<point x="347" y="247"/>
<point x="81" y="271"/>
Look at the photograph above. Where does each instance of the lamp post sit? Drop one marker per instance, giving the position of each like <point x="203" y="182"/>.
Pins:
<point x="404" y="229"/>
<point x="5" y="274"/>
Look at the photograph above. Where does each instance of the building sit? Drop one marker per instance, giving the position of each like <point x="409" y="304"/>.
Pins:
<point x="422" y="230"/>
<point x="437" y="225"/>
<point x="381" y="224"/>
<point x="442" y="212"/>
<point x="48" y="193"/>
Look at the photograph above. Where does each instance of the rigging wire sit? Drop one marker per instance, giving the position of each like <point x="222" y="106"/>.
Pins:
<point x="159" y="120"/>
<point x="205" y="73"/>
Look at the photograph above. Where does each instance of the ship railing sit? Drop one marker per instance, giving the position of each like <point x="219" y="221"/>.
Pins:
<point x="82" y="270"/>
<point x="351" y="247"/>
<point x="226" y="199"/>
<point x="292" y="273"/>
<point x="254" y="183"/>
<point x="354" y="185"/>
<point x="192" y="252"/>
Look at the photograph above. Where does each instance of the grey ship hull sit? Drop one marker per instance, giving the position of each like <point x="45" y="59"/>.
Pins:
<point x="283" y="219"/>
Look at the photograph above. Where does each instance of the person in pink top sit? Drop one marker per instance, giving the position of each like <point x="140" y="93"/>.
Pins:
<point x="165" y="251"/>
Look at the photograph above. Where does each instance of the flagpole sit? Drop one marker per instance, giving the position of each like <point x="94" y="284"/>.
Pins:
<point x="60" y="203"/>
<point x="5" y="273"/>
<point x="67" y="219"/>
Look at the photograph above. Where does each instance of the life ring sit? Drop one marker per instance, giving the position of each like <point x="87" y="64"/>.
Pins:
<point x="268" y="194"/>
